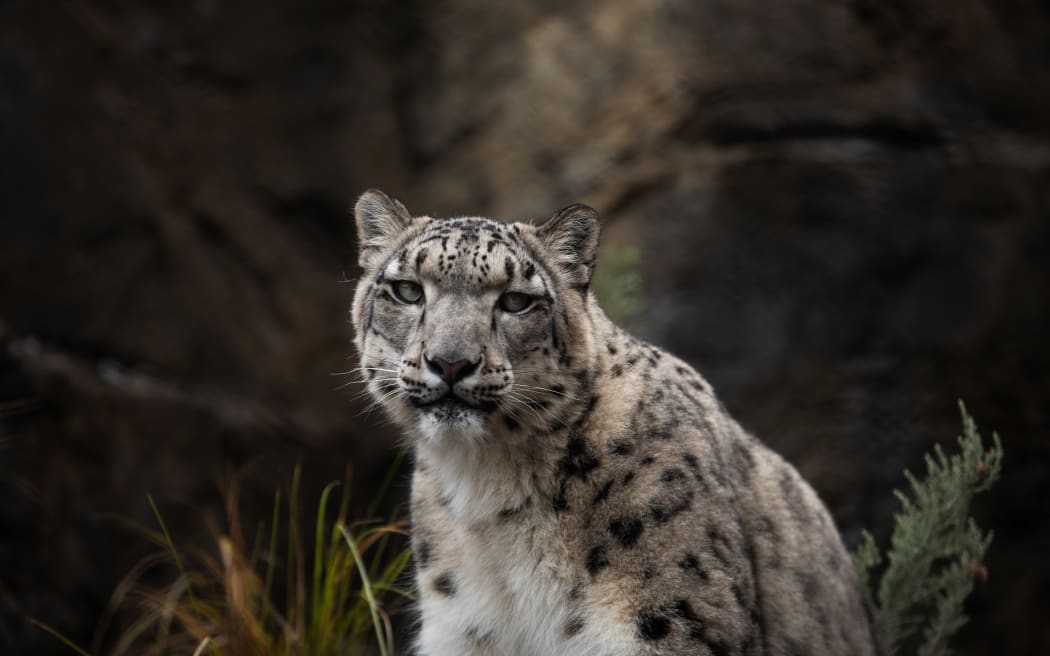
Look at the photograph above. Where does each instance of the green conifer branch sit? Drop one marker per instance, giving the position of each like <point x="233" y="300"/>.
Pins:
<point x="936" y="548"/>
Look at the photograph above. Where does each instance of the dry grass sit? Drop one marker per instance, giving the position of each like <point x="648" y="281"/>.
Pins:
<point x="337" y="598"/>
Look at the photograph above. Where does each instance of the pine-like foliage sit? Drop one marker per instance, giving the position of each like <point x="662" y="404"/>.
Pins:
<point x="936" y="549"/>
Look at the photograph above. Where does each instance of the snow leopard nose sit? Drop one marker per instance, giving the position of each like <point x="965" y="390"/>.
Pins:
<point x="451" y="372"/>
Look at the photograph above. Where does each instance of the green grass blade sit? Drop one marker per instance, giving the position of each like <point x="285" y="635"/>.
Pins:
<point x="174" y="552"/>
<point x="385" y="485"/>
<point x="271" y="561"/>
<point x="58" y="636"/>
<point x="344" y="498"/>
<point x="366" y="587"/>
<point x="320" y="560"/>
<point x="253" y="556"/>
<point x="294" y="598"/>
<point x="380" y="551"/>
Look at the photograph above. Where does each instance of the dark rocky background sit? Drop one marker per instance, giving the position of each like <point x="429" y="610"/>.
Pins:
<point x="842" y="210"/>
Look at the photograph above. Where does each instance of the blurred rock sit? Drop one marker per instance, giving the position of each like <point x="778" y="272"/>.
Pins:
<point x="842" y="210"/>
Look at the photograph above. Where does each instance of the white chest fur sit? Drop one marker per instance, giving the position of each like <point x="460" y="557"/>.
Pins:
<point x="500" y="583"/>
<point x="508" y="591"/>
<point x="503" y="599"/>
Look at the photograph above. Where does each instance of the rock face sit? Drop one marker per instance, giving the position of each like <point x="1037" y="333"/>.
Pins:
<point x="843" y="211"/>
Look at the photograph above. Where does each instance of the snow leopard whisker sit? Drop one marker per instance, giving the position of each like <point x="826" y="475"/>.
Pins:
<point x="524" y="401"/>
<point x="357" y="370"/>
<point x="365" y="382"/>
<point x="381" y="399"/>
<point x="514" y="414"/>
<point x="542" y="411"/>
<point x="520" y="417"/>
<point x="547" y="390"/>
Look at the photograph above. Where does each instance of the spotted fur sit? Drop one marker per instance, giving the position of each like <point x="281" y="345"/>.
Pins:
<point x="578" y="491"/>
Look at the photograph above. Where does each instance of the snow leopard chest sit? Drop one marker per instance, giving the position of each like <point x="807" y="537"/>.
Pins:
<point x="507" y="588"/>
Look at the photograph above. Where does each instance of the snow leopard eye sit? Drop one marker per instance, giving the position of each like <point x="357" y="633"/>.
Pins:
<point x="407" y="291"/>
<point x="515" y="302"/>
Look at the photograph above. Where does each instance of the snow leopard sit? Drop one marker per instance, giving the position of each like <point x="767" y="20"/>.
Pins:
<point x="575" y="490"/>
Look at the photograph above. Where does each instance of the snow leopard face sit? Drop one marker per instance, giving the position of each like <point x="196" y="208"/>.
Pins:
<point x="469" y="326"/>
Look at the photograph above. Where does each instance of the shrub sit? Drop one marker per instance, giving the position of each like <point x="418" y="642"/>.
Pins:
<point x="936" y="549"/>
<point x="618" y="284"/>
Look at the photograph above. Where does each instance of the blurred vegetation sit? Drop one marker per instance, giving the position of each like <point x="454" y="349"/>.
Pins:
<point x="272" y="596"/>
<point x="618" y="284"/>
<point x="936" y="551"/>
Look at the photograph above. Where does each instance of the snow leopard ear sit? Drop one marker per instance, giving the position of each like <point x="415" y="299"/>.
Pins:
<point x="380" y="219"/>
<point x="571" y="238"/>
